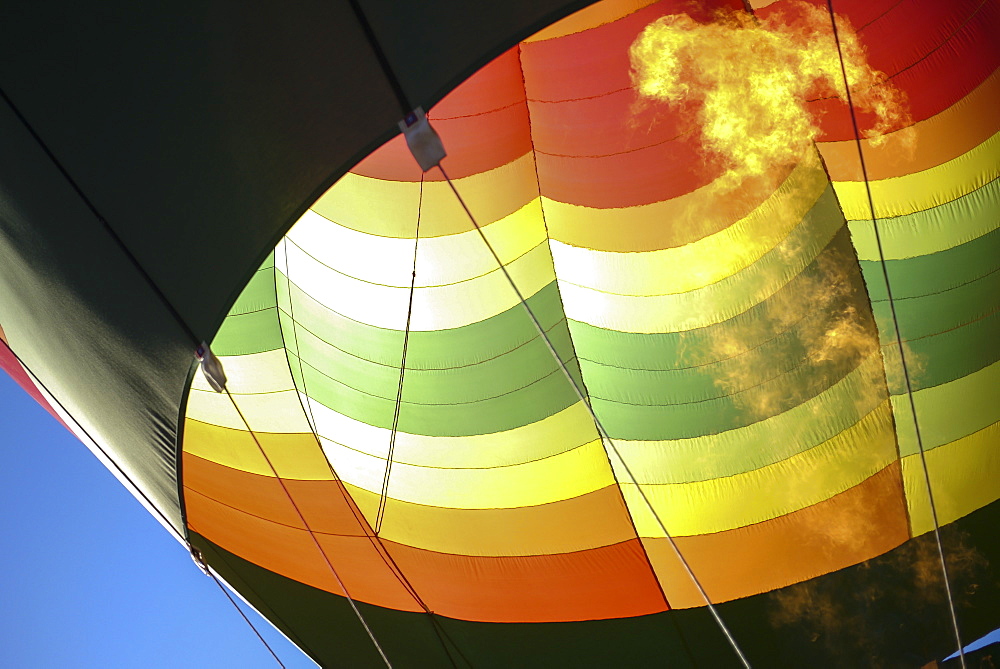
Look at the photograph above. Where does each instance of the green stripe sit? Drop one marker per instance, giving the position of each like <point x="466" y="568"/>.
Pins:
<point x="776" y="371"/>
<point x="951" y="333"/>
<point x="939" y="312"/>
<point x="790" y="307"/>
<point x="484" y="377"/>
<point x="436" y="349"/>
<point x="258" y="294"/>
<point x="243" y="334"/>
<point x="937" y="272"/>
<point x="801" y="428"/>
<point x="541" y="399"/>
<point x="683" y="421"/>
<point x="504" y="374"/>
<point x="252" y="326"/>
<point x="694" y="372"/>
<point x="933" y="230"/>
<point x="932" y="361"/>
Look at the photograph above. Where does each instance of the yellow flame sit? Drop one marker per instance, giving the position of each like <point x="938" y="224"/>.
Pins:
<point x="748" y="82"/>
<point x="751" y="80"/>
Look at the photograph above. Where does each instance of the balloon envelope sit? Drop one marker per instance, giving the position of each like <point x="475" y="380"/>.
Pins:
<point x="777" y="356"/>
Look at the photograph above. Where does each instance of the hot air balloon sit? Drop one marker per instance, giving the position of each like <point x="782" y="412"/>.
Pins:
<point x="680" y="354"/>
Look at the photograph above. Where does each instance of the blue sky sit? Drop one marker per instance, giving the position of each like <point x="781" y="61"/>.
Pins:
<point x="89" y="578"/>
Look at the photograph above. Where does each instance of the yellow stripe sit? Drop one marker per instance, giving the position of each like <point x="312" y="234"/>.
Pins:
<point x="716" y="505"/>
<point x="537" y="530"/>
<point x="389" y="208"/>
<point x="294" y="456"/>
<point x="717" y="302"/>
<point x="658" y="225"/>
<point x="964" y="477"/>
<point x="563" y="476"/>
<point x="920" y="191"/>
<point x="925" y="144"/>
<point x="902" y="239"/>
<point x="434" y="308"/>
<point x="700" y="263"/>
<point x="555" y="434"/>
<point x="440" y="261"/>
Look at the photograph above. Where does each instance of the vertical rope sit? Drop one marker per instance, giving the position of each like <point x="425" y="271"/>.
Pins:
<point x="443" y="637"/>
<point x="899" y="340"/>
<point x="402" y="369"/>
<point x="605" y="438"/>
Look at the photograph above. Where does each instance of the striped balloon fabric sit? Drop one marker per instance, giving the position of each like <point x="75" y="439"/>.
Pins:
<point x="778" y="366"/>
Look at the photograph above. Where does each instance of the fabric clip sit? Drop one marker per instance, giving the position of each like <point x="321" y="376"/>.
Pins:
<point x="422" y="140"/>
<point x="211" y="367"/>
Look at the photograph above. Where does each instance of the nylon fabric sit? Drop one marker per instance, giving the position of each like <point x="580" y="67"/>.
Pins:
<point x="736" y="345"/>
<point x="932" y="230"/>
<point x="716" y="302"/>
<point x="704" y="507"/>
<point x="966" y="124"/>
<point x="900" y="196"/>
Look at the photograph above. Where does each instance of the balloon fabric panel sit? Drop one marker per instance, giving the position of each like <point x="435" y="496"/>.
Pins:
<point x="737" y="351"/>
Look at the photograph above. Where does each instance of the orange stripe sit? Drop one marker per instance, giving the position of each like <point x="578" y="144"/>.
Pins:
<point x="852" y="527"/>
<point x="589" y="521"/>
<point x="498" y="84"/>
<point x="605" y="125"/>
<point x="596" y="62"/>
<point x="589" y="18"/>
<point x="591" y="149"/>
<point x="255" y="494"/>
<point x="610" y="582"/>
<point x="483" y="124"/>
<point x="668" y="170"/>
<point x="329" y="508"/>
<point x="955" y="131"/>
<point x="325" y="504"/>
<point x="909" y="46"/>
<point x="293" y="553"/>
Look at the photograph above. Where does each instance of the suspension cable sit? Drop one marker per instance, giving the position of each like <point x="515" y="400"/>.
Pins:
<point x="246" y="619"/>
<point x="359" y="516"/>
<point x="899" y="340"/>
<point x="605" y="438"/>
<point x="312" y="535"/>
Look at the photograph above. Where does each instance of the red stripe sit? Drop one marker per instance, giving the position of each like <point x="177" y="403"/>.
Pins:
<point x="474" y="144"/>
<point x="649" y="175"/>
<point x="914" y="43"/>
